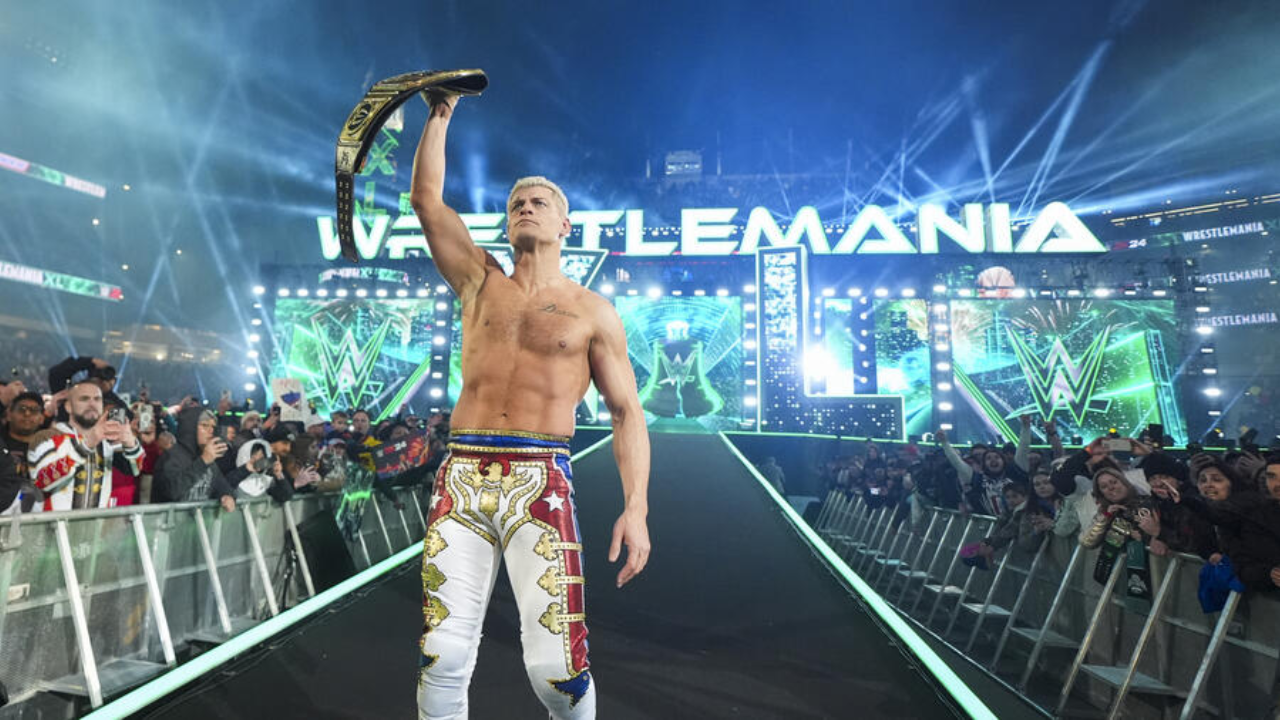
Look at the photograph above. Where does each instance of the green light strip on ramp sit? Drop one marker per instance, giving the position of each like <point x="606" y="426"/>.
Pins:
<point x="148" y="694"/>
<point x="959" y="691"/>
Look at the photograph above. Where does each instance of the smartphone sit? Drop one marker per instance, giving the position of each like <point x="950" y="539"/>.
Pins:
<point x="1249" y="437"/>
<point x="146" y="418"/>
<point x="1155" y="433"/>
<point x="119" y="415"/>
<point x="1116" y="444"/>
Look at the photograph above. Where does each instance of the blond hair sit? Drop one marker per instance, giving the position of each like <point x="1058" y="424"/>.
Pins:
<point x="539" y="181"/>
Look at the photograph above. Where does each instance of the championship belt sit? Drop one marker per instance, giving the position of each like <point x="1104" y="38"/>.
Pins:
<point x="361" y="129"/>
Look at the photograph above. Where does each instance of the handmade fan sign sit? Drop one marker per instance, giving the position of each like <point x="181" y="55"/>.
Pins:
<point x="361" y="129"/>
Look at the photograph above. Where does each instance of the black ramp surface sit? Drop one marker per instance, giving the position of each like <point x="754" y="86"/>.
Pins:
<point x="734" y="618"/>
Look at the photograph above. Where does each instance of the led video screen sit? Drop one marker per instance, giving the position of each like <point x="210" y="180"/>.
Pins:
<point x="688" y="357"/>
<point x="1089" y="364"/>
<point x="833" y="362"/>
<point x="901" y="359"/>
<point x="356" y="353"/>
<point x="880" y="348"/>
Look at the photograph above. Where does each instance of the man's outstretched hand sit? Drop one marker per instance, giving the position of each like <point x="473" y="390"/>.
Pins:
<point x="630" y="529"/>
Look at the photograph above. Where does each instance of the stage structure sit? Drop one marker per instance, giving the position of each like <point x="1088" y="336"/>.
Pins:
<point x="884" y="322"/>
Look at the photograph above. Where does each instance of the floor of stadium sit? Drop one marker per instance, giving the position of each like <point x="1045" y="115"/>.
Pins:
<point x="735" y="617"/>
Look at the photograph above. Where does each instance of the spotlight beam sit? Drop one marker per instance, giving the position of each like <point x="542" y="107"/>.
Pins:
<point x="1083" y="81"/>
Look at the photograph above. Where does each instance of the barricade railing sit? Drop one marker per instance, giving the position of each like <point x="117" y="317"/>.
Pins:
<point x="99" y="601"/>
<point x="1137" y="647"/>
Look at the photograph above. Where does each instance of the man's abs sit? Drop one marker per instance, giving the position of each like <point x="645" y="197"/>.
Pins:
<point x="524" y="361"/>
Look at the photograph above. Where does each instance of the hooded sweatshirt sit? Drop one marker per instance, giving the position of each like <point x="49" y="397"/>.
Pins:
<point x="181" y="473"/>
<point x="250" y="484"/>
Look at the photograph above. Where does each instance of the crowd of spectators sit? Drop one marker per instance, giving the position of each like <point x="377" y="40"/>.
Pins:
<point x="1127" y="497"/>
<point x="84" y="446"/>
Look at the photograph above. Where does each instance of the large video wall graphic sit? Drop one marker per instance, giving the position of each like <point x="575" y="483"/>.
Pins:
<point x="356" y="353"/>
<point x="901" y="359"/>
<point x="866" y="369"/>
<point x="867" y="348"/>
<point x="688" y="357"/>
<point x="1089" y="365"/>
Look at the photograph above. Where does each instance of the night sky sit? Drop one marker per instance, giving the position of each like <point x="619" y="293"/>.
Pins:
<point x="222" y="116"/>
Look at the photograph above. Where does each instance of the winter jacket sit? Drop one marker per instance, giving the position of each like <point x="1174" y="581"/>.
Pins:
<point x="250" y="484"/>
<point x="181" y="473"/>
<point x="1229" y="517"/>
<point x="10" y="480"/>
<point x="73" y="476"/>
<point x="1183" y="530"/>
<point x="1259" y="549"/>
<point x="1014" y="527"/>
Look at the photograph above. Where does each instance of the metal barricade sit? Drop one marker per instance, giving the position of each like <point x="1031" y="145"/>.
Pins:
<point x="99" y="601"/>
<point x="1161" y="654"/>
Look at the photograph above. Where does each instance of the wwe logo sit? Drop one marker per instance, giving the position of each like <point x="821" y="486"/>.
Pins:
<point x="1060" y="382"/>
<point x="677" y="369"/>
<point x="347" y="367"/>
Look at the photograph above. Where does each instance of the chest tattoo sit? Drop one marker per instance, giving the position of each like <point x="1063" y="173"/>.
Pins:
<point x="552" y="309"/>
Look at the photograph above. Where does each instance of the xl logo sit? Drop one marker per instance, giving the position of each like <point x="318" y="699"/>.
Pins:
<point x="1059" y="382"/>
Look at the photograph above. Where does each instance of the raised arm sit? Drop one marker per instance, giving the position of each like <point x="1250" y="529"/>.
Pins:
<point x="1055" y="441"/>
<point x="457" y="258"/>
<point x="1021" y="456"/>
<point x="963" y="470"/>
<point x="611" y="371"/>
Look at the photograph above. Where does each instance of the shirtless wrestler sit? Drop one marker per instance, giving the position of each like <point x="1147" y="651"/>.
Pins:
<point x="531" y="344"/>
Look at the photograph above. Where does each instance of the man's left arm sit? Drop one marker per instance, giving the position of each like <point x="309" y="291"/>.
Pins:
<point x="611" y="371"/>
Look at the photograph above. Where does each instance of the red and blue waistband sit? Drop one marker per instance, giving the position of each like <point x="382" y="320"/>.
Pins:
<point x="507" y="441"/>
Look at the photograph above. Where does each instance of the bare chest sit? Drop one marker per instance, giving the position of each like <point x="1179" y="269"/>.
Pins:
<point x="552" y="325"/>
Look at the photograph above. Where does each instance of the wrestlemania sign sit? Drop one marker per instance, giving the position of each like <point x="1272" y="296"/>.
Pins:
<point x="979" y="229"/>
